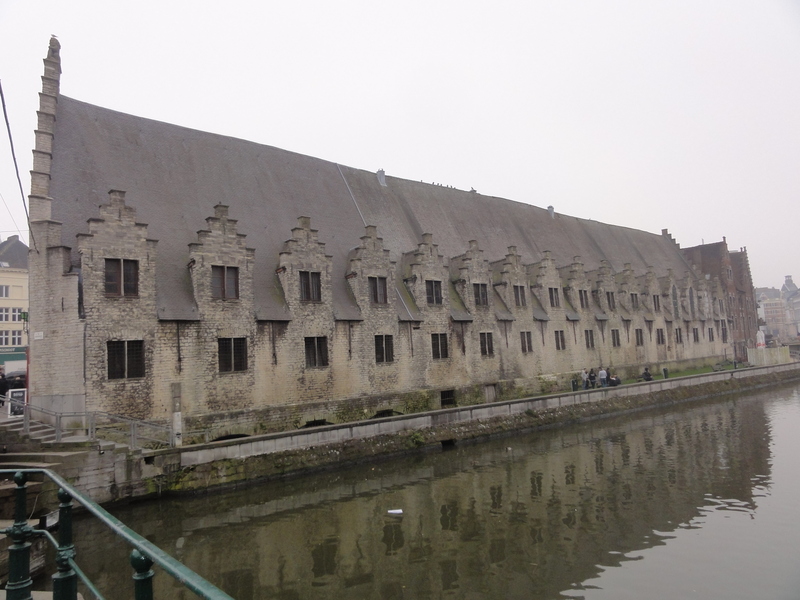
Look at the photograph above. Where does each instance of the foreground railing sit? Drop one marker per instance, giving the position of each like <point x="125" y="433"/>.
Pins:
<point x="65" y="581"/>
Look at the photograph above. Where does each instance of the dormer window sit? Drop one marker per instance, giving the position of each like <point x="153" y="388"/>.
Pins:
<point x="224" y="282"/>
<point x="377" y="290"/>
<point x="554" y="300"/>
<point x="310" y="286"/>
<point x="481" y="294"/>
<point x="519" y="295"/>
<point x="612" y="303"/>
<point x="122" y="277"/>
<point x="433" y="290"/>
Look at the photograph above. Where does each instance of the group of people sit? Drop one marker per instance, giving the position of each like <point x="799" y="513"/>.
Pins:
<point x="604" y="378"/>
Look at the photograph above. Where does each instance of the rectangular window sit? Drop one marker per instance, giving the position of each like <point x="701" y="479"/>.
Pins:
<point x="588" y="335"/>
<point x="696" y="335"/>
<point x="584" y="296"/>
<point x="3" y="314"/>
<point x="639" y="337"/>
<point x="5" y="338"/>
<point x="384" y="349"/>
<point x="447" y="398"/>
<point x="16" y="338"/>
<point x="656" y="303"/>
<point x="710" y="334"/>
<point x="433" y="289"/>
<point x="377" y="290"/>
<point x="612" y="303"/>
<point x="554" y="300"/>
<point x="4" y="291"/>
<point x="724" y="333"/>
<point x="16" y="314"/>
<point x="481" y="294"/>
<point x="615" y="338"/>
<point x="122" y="277"/>
<point x="439" y="345"/>
<point x="125" y="359"/>
<point x="519" y="295"/>
<point x="310" y="286"/>
<point x="678" y="335"/>
<point x="634" y="301"/>
<point x="660" y="339"/>
<point x="232" y="353"/>
<point x="316" y="351"/>
<point x="224" y="282"/>
<point x="560" y="340"/>
<point x="526" y="341"/>
<point x="487" y="349"/>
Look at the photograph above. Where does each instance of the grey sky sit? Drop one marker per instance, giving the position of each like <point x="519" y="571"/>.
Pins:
<point x="661" y="114"/>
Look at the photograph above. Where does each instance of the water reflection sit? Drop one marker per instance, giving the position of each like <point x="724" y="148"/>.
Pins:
<point x="523" y="517"/>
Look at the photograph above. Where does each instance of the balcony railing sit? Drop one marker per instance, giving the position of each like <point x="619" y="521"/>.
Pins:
<point x="143" y="557"/>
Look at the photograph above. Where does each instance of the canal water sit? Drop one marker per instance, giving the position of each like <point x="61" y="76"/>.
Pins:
<point x="699" y="501"/>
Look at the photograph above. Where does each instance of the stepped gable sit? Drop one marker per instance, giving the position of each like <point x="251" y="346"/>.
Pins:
<point x="174" y="176"/>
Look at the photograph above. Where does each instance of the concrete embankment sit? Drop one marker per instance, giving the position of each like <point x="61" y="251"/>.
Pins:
<point x="235" y="462"/>
<point x="115" y="475"/>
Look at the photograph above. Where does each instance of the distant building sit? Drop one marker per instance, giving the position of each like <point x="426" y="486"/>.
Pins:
<point x="13" y="303"/>
<point x="222" y="283"/>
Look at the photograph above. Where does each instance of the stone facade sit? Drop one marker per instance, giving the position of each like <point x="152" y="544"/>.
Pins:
<point x="340" y="322"/>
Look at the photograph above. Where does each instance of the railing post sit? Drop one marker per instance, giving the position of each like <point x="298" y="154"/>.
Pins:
<point x="58" y="427"/>
<point x="143" y="578"/>
<point x="65" y="581"/>
<point x="92" y="425"/>
<point x="19" y="553"/>
<point x="26" y="419"/>
<point x="133" y="435"/>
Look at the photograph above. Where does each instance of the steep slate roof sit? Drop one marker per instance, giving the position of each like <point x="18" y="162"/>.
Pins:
<point x="173" y="177"/>
<point x="14" y="252"/>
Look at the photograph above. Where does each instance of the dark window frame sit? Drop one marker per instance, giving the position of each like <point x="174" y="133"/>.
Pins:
<point x="584" y="297"/>
<point x="433" y="292"/>
<point x="660" y="337"/>
<point x="635" y="301"/>
<point x="639" y="337"/>
<point x="611" y="301"/>
<point x="615" y="339"/>
<point x="316" y="349"/>
<point x="384" y="349"/>
<point x="526" y="341"/>
<point x="378" y="290"/>
<point x="121" y="278"/>
<point x="519" y="295"/>
<point x="481" y="291"/>
<point x="487" y="347"/>
<point x="439" y="346"/>
<point x="224" y="282"/>
<point x="310" y="286"/>
<point x="555" y="301"/>
<point x="232" y="354"/>
<point x="125" y="359"/>
<point x="588" y="336"/>
<point x="561" y="343"/>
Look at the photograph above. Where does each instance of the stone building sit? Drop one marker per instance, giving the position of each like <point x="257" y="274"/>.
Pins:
<point x="229" y="284"/>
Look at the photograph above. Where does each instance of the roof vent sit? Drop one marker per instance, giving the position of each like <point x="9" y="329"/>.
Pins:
<point x="552" y="211"/>
<point x="381" y="177"/>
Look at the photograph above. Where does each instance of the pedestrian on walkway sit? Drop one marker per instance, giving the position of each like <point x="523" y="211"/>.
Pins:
<point x="603" y="375"/>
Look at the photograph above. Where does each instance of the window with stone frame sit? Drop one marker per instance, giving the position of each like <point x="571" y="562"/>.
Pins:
<point x="710" y="334"/>
<point x="433" y="291"/>
<point x="526" y="340"/>
<point x="232" y="353"/>
<point x="561" y="343"/>
<point x="316" y="351"/>
<point x="439" y="345"/>
<point x="481" y="294"/>
<point x="519" y="295"/>
<point x="4" y="314"/>
<point x="588" y="336"/>
<point x="678" y="335"/>
<point x="487" y="348"/>
<point x="724" y="333"/>
<point x="584" y="297"/>
<point x="639" y="337"/>
<point x="224" y="282"/>
<point x="660" y="338"/>
<point x="16" y="338"/>
<point x="16" y="314"/>
<point x="612" y="303"/>
<point x="384" y="348"/>
<point x="310" y="286"/>
<point x="5" y="337"/>
<point x="377" y="290"/>
<point x="125" y="359"/>
<point x="121" y="277"/>
<point x="634" y="301"/>
<point x="555" y="302"/>
<point x="447" y="398"/>
<point x="696" y="335"/>
<point x="5" y="291"/>
<point x="615" y="342"/>
<point x="656" y="303"/>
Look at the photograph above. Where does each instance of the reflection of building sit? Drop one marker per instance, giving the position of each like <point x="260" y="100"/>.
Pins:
<point x="530" y="513"/>
<point x="13" y="303"/>
<point x="201" y="292"/>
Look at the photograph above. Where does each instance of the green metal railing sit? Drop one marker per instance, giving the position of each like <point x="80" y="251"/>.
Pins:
<point x="65" y="581"/>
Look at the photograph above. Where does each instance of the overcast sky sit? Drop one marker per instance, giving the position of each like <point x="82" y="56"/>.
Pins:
<point x="678" y="115"/>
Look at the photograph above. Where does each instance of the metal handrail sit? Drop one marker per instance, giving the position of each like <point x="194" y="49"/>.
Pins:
<point x="143" y="556"/>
